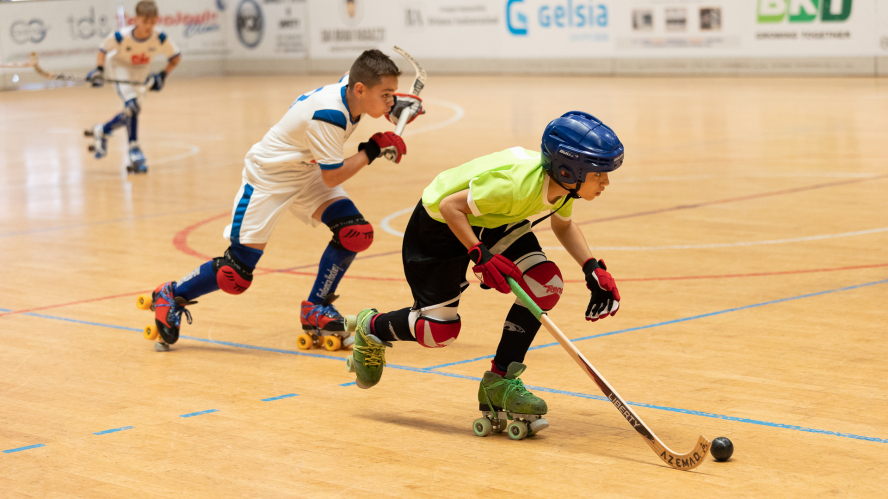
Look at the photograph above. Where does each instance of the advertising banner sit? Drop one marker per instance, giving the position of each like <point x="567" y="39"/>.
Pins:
<point x="267" y="29"/>
<point x="882" y="28"/>
<point x="194" y="25"/>
<point x="64" y="33"/>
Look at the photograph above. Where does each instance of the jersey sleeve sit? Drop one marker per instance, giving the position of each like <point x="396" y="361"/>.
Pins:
<point x="491" y="192"/>
<point x="325" y="136"/>
<point x="168" y="47"/>
<point x="111" y="43"/>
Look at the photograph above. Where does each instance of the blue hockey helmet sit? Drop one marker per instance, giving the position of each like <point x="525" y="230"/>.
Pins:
<point x="578" y="143"/>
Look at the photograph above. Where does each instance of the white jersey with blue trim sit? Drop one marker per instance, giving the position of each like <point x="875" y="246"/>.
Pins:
<point x="311" y="135"/>
<point x="132" y="55"/>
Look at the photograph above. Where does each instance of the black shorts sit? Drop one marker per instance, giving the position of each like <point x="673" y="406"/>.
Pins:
<point x="435" y="262"/>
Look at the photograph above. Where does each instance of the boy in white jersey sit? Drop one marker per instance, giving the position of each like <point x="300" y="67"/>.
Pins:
<point x="133" y="48"/>
<point x="483" y="207"/>
<point x="299" y="166"/>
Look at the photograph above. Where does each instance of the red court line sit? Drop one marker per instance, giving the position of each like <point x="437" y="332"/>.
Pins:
<point x="73" y="303"/>
<point x="723" y="201"/>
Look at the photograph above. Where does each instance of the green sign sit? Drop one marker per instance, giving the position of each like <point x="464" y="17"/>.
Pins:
<point x="803" y="11"/>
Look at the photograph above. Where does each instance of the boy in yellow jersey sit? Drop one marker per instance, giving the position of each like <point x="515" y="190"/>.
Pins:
<point x="479" y="211"/>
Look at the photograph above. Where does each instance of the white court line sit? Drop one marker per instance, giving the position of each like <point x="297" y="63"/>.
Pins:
<point x="747" y="175"/>
<point x="458" y="115"/>
<point x="388" y="228"/>
<point x="730" y="245"/>
<point x="194" y="150"/>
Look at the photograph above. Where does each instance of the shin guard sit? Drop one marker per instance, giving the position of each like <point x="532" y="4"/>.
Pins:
<point x="519" y="331"/>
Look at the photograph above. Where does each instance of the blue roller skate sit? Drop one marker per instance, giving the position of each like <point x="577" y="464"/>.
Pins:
<point x="136" y="159"/>
<point x="99" y="147"/>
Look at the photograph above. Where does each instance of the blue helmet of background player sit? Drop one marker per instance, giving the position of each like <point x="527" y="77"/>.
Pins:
<point x="578" y="143"/>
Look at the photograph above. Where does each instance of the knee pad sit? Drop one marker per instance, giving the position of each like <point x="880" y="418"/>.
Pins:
<point x="131" y="108"/>
<point x="351" y="233"/>
<point x="543" y="283"/>
<point x="233" y="276"/>
<point x="435" y="332"/>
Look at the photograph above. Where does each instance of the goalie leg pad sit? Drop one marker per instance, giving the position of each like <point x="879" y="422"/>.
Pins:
<point x="542" y="280"/>
<point x="436" y="328"/>
<point x="233" y="274"/>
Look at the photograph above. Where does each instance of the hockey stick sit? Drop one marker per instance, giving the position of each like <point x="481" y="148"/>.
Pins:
<point x="683" y="462"/>
<point x="35" y="63"/>
<point x="415" y="89"/>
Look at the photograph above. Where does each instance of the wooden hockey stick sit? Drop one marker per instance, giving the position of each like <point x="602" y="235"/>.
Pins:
<point x="683" y="462"/>
<point x="415" y="89"/>
<point x="35" y="63"/>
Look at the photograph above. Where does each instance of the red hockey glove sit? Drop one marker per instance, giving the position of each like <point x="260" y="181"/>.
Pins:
<point x="402" y="102"/>
<point x="492" y="269"/>
<point x="386" y="144"/>
<point x="605" y="296"/>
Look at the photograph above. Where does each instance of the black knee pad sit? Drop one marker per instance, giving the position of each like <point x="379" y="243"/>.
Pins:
<point x="232" y="276"/>
<point x="351" y="233"/>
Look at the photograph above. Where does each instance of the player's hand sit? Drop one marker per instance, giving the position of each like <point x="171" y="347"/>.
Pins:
<point x="156" y="81"/>
<point x="386" y="144"/>
<point x="402" y="102"/>
<point x="605" y="296"/>
<point x="492" y="269"/>
<point x="96" y="77"/>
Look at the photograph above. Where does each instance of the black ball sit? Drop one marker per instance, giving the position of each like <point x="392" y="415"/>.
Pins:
<point x="721" y="449"/>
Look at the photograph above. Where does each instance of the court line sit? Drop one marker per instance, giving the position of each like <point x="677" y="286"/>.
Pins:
<point x="281" y="397"/>
<point x="69" y="303"/>
<point x="198" y="413"/>
<point x="115" y="430"/>
<point x="676" y="321"/>
<point x="431" y="370"/>
<point x="458" y="115"/>
<point x="19" y="449"/>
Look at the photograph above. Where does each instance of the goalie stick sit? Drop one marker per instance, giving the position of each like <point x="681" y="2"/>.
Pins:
<point x="683" y="462"/>
<point x="35" y="63"/>
<point x="415" y="89"/>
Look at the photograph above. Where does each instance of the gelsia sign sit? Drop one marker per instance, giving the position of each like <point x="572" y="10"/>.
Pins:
<point x="803" y="11"/>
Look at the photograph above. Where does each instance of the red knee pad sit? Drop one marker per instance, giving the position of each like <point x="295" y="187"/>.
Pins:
<point x="355" y="237"/>
<point x="544" y="284"/>
<point x="230" y="281"/>
<point x="432" y="333"/>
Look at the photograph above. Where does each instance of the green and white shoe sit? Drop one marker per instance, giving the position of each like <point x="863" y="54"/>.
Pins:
<point x="368" y="352"/>
<point x="502" y="398"/>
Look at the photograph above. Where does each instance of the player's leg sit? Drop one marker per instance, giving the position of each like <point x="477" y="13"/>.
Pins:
<point x="435" y="264"/>
<point x="137" y="162"/>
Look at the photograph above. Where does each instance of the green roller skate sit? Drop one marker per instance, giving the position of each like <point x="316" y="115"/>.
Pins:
<point x="503" y="398"/>
<point x="368" y="351"/>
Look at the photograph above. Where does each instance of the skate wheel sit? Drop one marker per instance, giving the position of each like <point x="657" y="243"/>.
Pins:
<point x="150" y="332"/>
<point x="304" y="341"/>
<point x="482" y="427"/>
<point x="332" y="343"/>
<point x="144" y="302"/>
<point x="351" y="322"/>
<point x="350" y="364"/>
<point x="87" y="133"/>
<point x="91" y="148"/>
<point x="517" y="430"/>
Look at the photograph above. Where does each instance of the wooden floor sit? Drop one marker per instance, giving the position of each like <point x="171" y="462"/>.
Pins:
<point x="747" y="231"/>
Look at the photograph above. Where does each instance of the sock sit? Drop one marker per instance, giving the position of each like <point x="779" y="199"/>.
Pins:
<point x="495" y="369"/>
<point x="132" y="125"/>
<point x="393" y="326"/>
<point x="115" y="123"/>
<point x="335" y="261"/>
<point x="199" y="282"/>
<point x="203" y="280"/>
<point x="518" y="332"/>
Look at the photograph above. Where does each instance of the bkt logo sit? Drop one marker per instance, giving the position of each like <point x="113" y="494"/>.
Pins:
<point x="567" y="14"/>
<point x="803" y="11"/>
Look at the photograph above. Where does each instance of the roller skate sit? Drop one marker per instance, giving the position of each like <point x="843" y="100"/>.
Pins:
<point x="503" y="398"/>
<point x="99" y="147"/>
<point x="323" y="325"/>
<point x="168" y="312"/>
<point x="368" y="354"/>
<point x="136" y="159"/>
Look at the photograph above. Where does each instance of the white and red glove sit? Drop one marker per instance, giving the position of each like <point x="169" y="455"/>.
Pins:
<point x="492" y="269"/>
<point x="402" y="102"/>
<point x="605" y="296"/>
<point x="386" y="144"/>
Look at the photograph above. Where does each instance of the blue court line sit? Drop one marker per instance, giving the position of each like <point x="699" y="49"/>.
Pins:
<point x="676" y="321"/>
<point x="280" y="397"/>
<point x="198" y="413"/>
<point x="10" y="451"/>
<point x="113" y="431"/>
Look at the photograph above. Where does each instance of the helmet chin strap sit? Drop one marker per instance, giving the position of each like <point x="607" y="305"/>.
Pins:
<point x="574" y="193"/>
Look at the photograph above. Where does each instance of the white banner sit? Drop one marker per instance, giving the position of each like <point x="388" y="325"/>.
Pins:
<point x="194" y="25"/>
<point x="882" y="28"/>
<point x="63" y="33"/>
<point x="267" y="29"/>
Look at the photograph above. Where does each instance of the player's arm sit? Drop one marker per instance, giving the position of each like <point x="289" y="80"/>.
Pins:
<point x="173" y="55"/>
<point x="350" y="166"/>
<point x="455" y="210"/>
<point x="571" y="237"/>
<point x="605" y="297"/>
<point x="97" y="76"/>
<point x="172" y="63"/>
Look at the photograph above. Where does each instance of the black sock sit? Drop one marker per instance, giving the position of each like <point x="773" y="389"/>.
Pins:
<point x="393" y="326"/>
<point x="518" y="333"/>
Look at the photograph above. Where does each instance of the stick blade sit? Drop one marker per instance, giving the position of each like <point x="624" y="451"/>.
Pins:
<point x="684" y="462"/>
